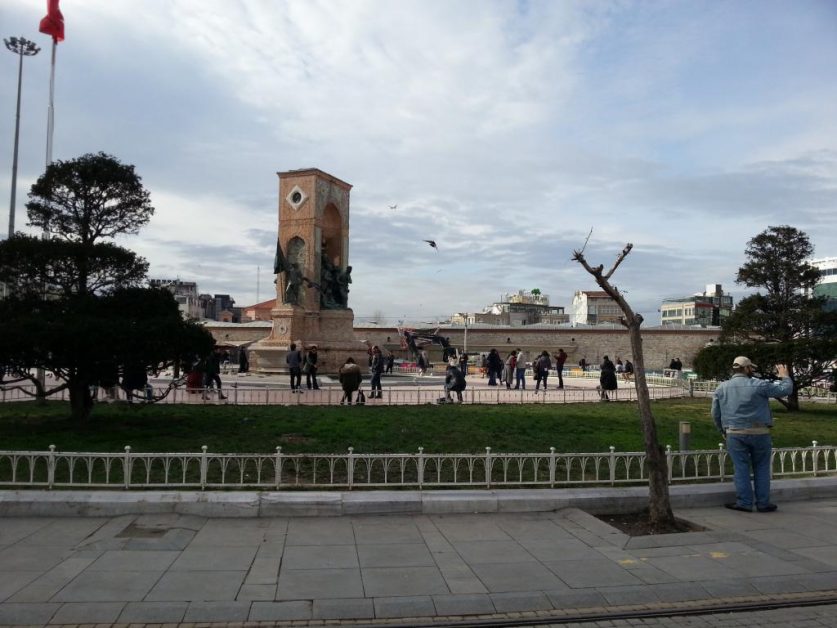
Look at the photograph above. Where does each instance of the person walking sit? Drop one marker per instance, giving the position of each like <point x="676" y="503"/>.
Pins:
<point x="212" y="373"/>
<point x="350" y="378"/>
<point x="454" y="382"/>
<point x="294" y="361"/>
<point x="390" y="362"/>
<point x="741" y="411"/>
<point x="310" y="368"/>
<point x="520" y="370"/>
<point x="510" y="369"/>
<point x="607" y="378"/>
<point x="376" y="369"/>
<point x="543" y="365"/>
<point x="463" y="364"/>
<point x="559" y="366"/>
<point x="629" y="371"/>
<point x="243" y="360"/>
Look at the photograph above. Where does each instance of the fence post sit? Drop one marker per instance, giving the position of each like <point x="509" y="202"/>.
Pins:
<point x="420" y="466"/>
<point x="350" y="467"/>
<point x="691" y="388"/>
<point x="126" y="467"/>
<point x="552" y="467"/>
<point x="235" y="393"/>
<point x="278" y="467"/>
<point x="267" y="395"/>
<point x="815" y="456"/>
<point x="203" y="466"/>
<point x="612" y="463"/>
<point x="669" y="461"/>
<point x="488" y="467"/>
<point x="721" y="461"/>
<point x="50" y="465"/>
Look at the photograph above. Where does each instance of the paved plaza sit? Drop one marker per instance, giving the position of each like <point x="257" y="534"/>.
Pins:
<point x="409" y="569"/>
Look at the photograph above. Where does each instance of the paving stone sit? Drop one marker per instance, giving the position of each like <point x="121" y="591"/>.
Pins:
<point x="408" y="606"/>
<point x="280" y="611"/>
<point x="756" y="564"/>
<point x="344" y="609"/>
<point x="215" y="558"/>
<point x="591" y="573"/>
<point x="320" y="557"/>
<point x="263" y="571"/>
<point x="560" y="549"/>
<point x="386" y="533"/>
<point x="469" y="528"/>
<point x="680" y="591"/>
<point x="119" y="560"/>
<point x="87" y="612"/>
<point x="779" y="584"/>
<point x="13" y="581"/>
<point x="729" y="588"/>
<point x="818" y="581"/>
<point x="630" y="595"/>
<point x="517" y="577"/>
<point x="26" y="614"/>
<point x="108" y="586"/>
<point x="323" y="531"/>
<point x="695" y="567"/>
<point x="392" y="581"/>
<point x="520" y="601"/>
<point x="476" y="552"/>
<point x="309" y="584"/>
<point x="230" y="533"/>
<point x="187" y="586"/>
<point x="463" y="604"/>
<point x="461" y="580"/>
<point x="217" y="611"/>
<point x="153" y="612"/>
<point x="576" y="599"/>
<point x="42" y="589"/>
<point x="395" y="555"/>
<point x="254" y="592"/>
<point x="37" y="558"/>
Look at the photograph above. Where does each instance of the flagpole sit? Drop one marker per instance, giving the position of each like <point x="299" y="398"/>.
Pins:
<point x="51" y="109"/>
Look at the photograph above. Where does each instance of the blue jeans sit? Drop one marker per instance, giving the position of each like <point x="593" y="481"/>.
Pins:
<point x="521" y="378"/>
<point x="746" y="451"/>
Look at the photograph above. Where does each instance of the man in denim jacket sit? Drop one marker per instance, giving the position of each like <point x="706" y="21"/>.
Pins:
<point x="741" y="410"/>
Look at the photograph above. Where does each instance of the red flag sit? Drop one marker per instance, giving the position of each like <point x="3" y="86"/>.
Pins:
<point x="53" y="23"/>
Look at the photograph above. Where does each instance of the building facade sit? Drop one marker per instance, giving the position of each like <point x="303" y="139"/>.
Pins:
<point x="827" y="285"/>
<point x="593" y="307"/>
<point x="704" y="309"/>
<point x="516" y="310"/>
<point x="185" y="293"/>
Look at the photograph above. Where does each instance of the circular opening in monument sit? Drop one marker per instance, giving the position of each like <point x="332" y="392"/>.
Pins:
<point x="296" y="197"/>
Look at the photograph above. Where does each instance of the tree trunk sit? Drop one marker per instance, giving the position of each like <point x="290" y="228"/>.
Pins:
<point x="659" y="502"/>
<point x="81" y="403"/>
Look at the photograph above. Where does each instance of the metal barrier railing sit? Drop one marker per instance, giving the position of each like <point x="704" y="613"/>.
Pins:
<point x="279" y="470"/>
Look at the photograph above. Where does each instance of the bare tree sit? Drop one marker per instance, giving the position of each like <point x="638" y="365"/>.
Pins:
<point x="659" y="503"/>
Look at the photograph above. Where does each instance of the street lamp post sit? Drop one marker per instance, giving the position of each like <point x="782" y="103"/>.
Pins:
<point x="23" y="48"/>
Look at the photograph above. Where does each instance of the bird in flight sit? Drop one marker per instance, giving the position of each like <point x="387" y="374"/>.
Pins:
<point x="394" y="206"/>
<point x="433" y="244"/>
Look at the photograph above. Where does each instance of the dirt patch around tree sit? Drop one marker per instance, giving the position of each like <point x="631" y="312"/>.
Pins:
<point x="637" y="524"/>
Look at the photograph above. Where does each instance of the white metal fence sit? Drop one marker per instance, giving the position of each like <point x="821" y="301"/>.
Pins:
<point x="207" y="470"/>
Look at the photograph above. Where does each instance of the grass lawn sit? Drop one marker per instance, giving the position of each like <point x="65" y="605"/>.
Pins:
<point x="449" y="429"/>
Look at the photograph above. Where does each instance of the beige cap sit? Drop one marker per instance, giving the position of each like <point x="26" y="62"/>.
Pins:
<point x="742" y="362"/>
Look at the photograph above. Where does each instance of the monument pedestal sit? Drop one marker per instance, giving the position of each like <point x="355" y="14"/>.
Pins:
<point x="331" y="330"/>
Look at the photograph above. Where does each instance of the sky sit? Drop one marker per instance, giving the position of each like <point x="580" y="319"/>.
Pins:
<point x="503" y="130"/>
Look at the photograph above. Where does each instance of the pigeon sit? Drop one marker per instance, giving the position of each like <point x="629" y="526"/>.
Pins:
<point x="432" y="243"/>
<point x="393" y="206"/>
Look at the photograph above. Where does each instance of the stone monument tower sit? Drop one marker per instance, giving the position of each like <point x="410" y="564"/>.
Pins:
<point x="313" y="273"/>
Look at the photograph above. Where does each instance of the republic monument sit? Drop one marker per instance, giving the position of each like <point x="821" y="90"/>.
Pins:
<point x="313" y="274"/>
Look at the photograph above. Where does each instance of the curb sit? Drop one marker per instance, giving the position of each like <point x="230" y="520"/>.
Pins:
<point x="85" y="503"/>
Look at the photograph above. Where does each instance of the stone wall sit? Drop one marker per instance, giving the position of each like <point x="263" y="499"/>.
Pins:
<point x="660" y="345"/>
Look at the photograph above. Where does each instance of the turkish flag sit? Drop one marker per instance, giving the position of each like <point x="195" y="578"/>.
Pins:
<point x="53" y="23"/>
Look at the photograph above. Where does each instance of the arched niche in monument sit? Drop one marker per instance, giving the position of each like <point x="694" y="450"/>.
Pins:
<point x="332" y="234"/>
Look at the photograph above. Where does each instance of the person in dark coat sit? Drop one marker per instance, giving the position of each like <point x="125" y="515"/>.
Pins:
<point x="607" y="379"/>
<point x="243" y="361"/>
<point x="494" y="364"/>
<point x="376" y="369"/>
<point x="543" y="364"/>
<point x="454" y="382"/>
<point x="560" y="358"/>
<point x="309" y="367"/>
<point x="350" y="378"/>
